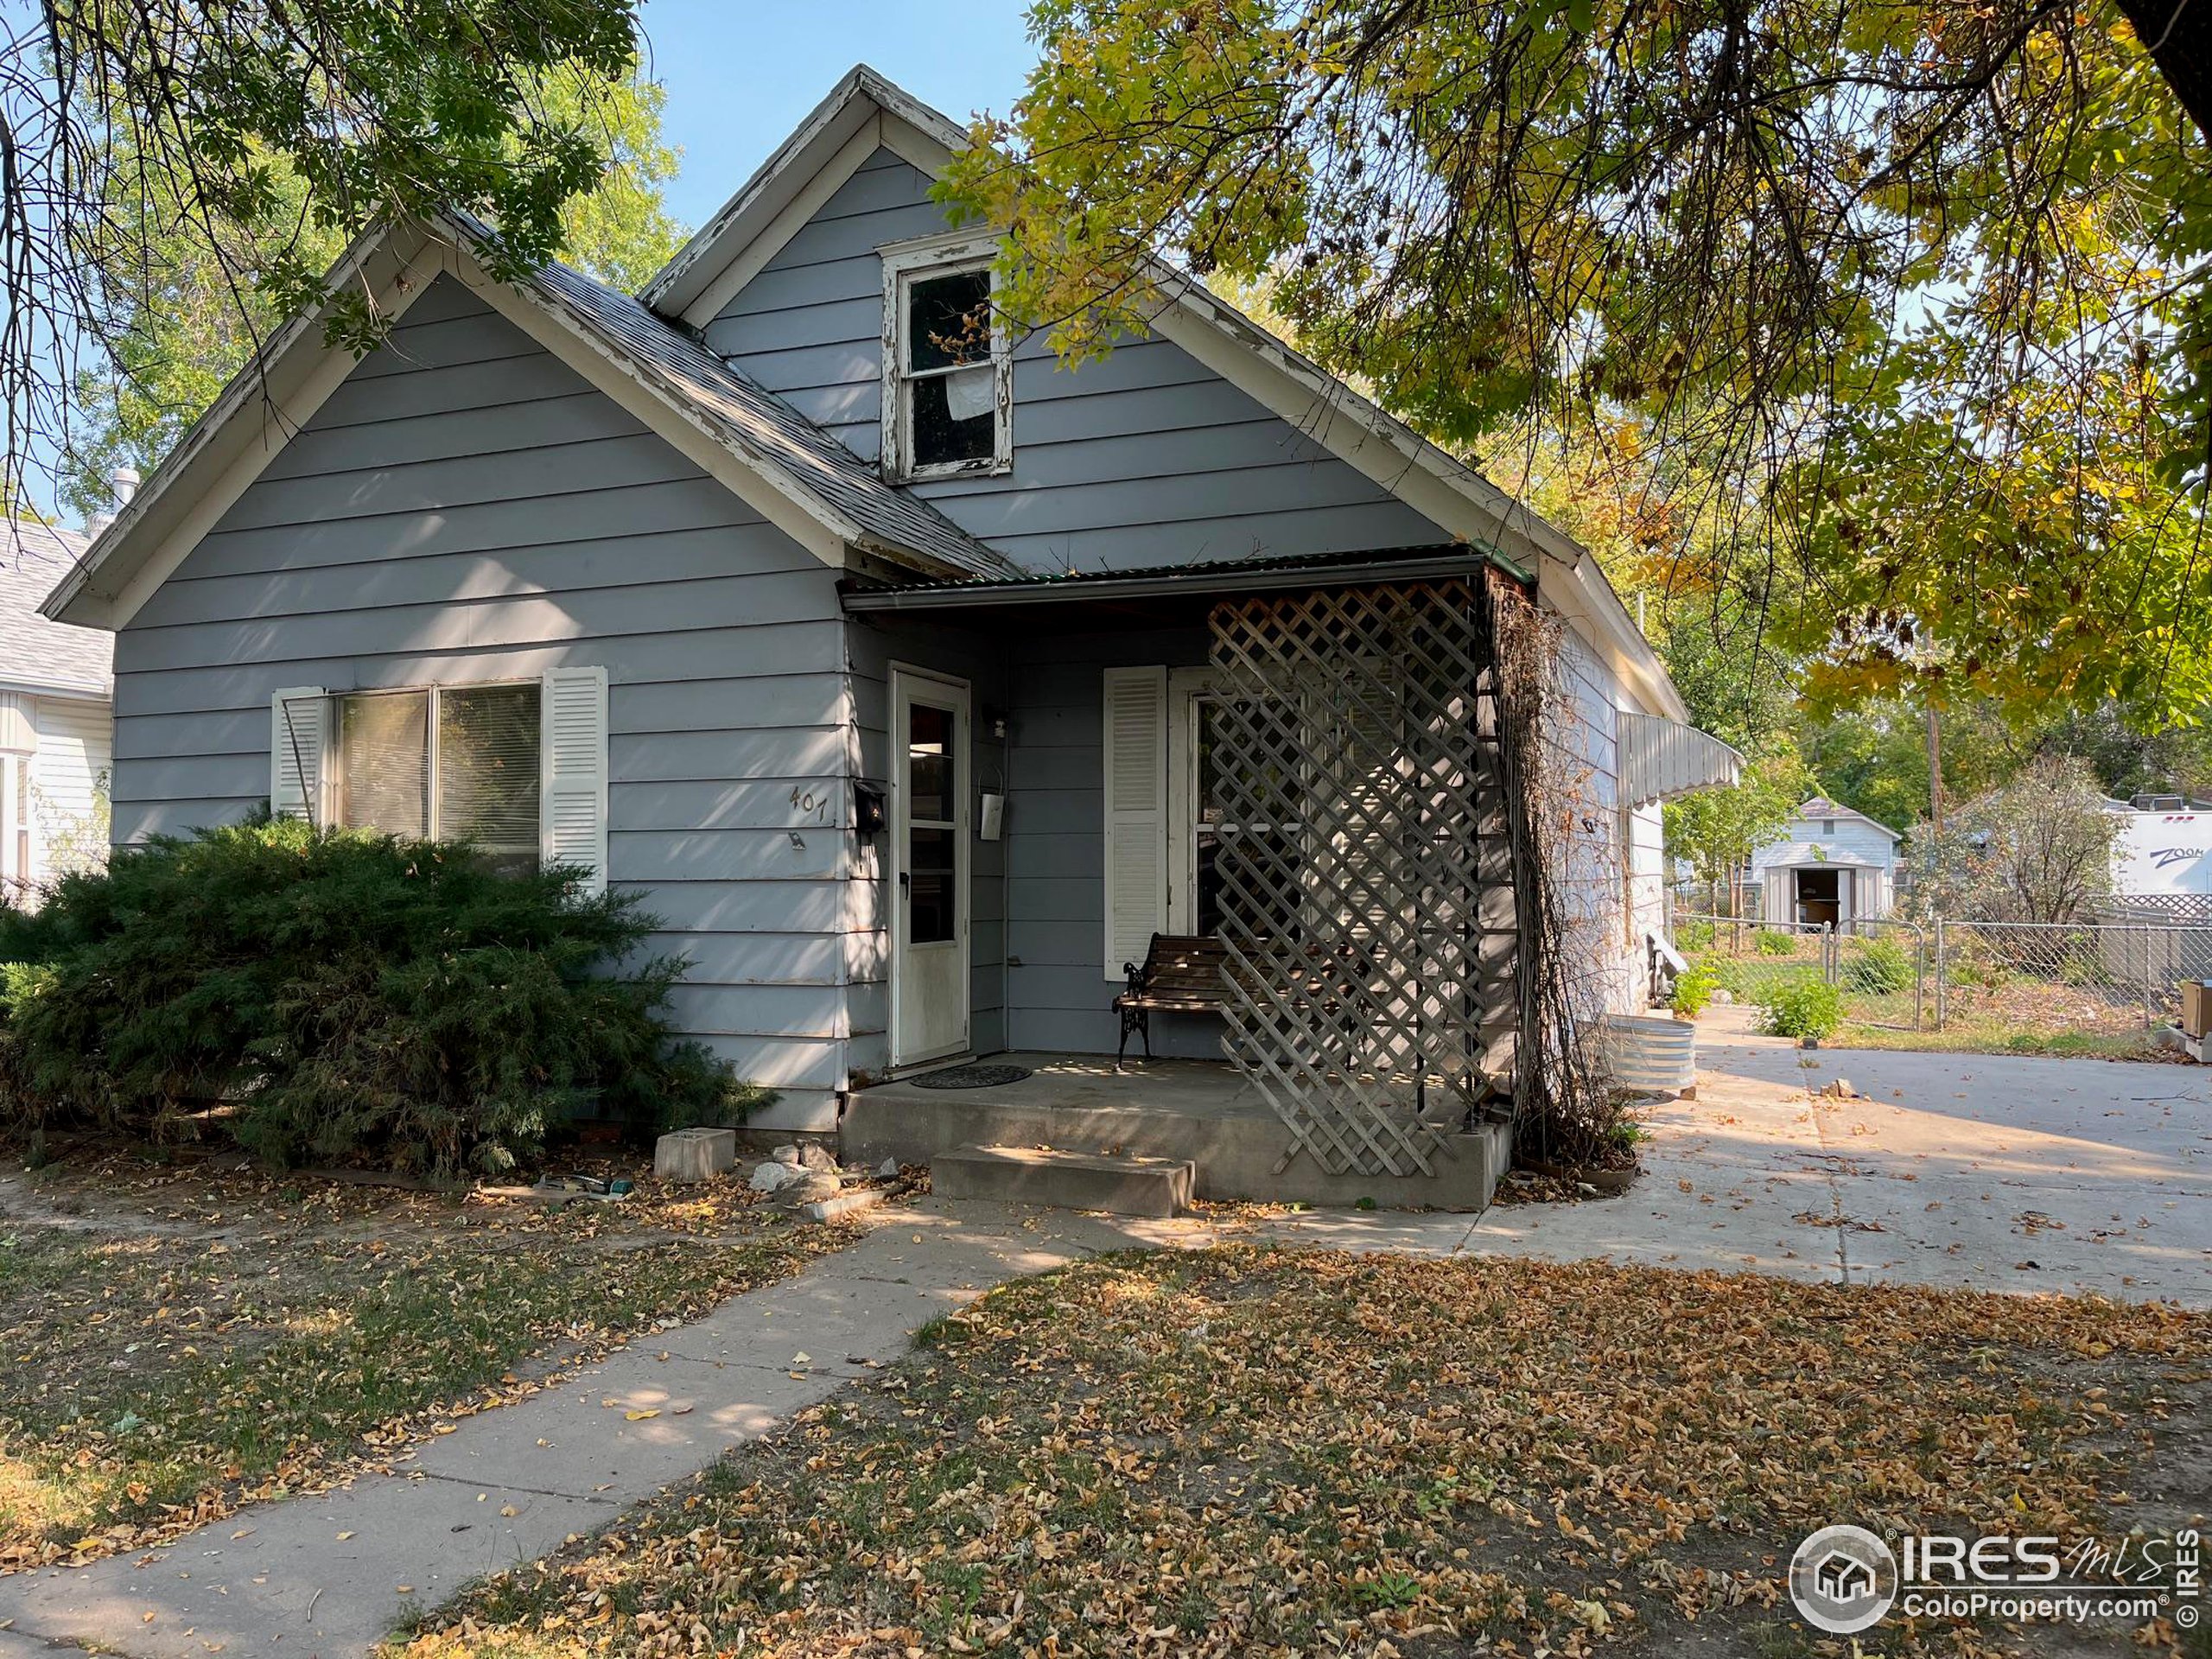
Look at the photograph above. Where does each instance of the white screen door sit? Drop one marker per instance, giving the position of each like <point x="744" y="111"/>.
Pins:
<point x="929" y="792"/>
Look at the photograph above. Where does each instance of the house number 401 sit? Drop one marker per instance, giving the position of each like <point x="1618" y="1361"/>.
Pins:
<point x="808" y="804"/>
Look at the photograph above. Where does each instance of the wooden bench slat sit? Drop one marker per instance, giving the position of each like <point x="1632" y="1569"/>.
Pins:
<point x="1178" y="976"/>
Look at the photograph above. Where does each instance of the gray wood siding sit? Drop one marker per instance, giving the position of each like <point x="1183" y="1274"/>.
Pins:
<point x="464" y="508"/>
<point x="1145" y="458"/>
<point x="1059" y="997"/>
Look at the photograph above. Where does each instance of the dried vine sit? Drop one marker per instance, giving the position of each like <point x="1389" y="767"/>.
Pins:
<point x="1561" y="1101"/>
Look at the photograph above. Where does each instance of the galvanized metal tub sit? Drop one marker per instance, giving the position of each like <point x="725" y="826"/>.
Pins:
<point x="1645" y="1050"/>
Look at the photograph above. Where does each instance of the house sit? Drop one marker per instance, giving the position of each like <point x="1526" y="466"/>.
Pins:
<point x="1830" y="866"/>
<point x="56" y="687"/>
<point x="916" y="682"/>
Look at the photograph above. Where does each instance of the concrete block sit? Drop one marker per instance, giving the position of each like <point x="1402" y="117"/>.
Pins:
<point x="845" y="1204"/>
<point x="694" y="1154"/>
<point x="1067" y="1181"/>
<point x="2197" y="1048"/>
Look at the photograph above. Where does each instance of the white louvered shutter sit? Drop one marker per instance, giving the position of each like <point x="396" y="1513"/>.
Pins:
<point x="1136" y="804"/>
<point x="298" y="738"/>
<point x="573" y="811"/>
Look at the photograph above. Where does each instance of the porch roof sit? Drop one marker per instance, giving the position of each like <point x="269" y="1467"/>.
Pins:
<point x="1154" y="588"/>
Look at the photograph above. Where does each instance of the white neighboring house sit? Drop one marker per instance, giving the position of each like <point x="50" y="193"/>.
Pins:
<point x="1830" y="865"/>
<point x="2164" y="849"/>
<point x="57" y="696"/>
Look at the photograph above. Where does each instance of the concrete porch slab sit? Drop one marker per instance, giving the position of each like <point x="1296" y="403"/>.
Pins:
<point x="1203" y="1112"/>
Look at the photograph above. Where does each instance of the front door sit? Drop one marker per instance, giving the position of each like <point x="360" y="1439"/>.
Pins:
<point x="929" y="876"/>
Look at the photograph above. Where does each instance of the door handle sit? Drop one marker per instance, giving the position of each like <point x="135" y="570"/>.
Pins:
<point x="906" y="882"/>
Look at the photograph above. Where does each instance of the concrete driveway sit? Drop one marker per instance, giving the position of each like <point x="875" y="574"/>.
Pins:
<point x="2014" y="1175"/>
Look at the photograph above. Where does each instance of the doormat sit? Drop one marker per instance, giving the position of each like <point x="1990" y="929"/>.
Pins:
<point x="972" y="1076"/>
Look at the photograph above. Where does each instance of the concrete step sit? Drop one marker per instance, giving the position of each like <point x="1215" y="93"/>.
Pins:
<point x="1067" y="1181"/>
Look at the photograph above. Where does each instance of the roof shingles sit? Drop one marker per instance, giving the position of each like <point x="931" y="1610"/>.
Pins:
<point x="36" y="653"/>
<point x="761" y="426"/>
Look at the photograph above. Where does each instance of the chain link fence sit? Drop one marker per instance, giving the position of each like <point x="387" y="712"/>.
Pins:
<point x="2115" y="979"/>
<point x="1881" y="967"/>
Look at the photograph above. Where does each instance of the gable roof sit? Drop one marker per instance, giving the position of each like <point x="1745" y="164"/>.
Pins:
<point x="36" y="653"/>
<point x="865" y="111"/>
<point x="1821" y="807"/>
<point x="1796" y="855"/>
<point x="763" y="427"/>
<point x="786" y="468"/>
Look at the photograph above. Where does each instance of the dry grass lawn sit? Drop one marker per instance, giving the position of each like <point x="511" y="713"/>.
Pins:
<point x="1248" y="1451"/>
<point x="180" y="1341"/>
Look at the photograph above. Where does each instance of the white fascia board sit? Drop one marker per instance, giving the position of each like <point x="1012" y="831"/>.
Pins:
<point x="1435" y="484"/>
<point x="54" y="690"/>
<point x="753" y="224"/>
<point x="224" y="451"/>
<point x="747" y="262"/>
<point x="303" y="373"/>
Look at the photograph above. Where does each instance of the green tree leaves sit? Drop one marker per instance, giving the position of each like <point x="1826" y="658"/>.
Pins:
<point x="186" y="314"/>
<point x="1915" y="291"/>
<point x="307" y="122"/>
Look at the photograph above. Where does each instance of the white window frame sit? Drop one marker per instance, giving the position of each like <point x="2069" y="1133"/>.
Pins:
<point x="1186" y="689"/>
<point x="905" y="263"/>
<point x="433" y="695"/>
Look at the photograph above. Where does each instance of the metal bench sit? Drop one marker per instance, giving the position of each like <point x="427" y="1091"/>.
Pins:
<point x="1178" y="975"/>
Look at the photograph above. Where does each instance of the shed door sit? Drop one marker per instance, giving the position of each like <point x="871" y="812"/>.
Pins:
<point x="929" y="850"/>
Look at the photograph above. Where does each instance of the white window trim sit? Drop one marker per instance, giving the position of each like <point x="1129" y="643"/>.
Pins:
<point x="335" y="751"/>
<point x="1186" y="687"/>
<point x="21" y="855"/>
<point x="941" y="256"/>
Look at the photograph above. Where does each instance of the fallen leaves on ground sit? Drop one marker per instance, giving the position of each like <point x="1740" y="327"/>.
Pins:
<point x="1250" y="1451"/>
<point x="183" y="1339"/>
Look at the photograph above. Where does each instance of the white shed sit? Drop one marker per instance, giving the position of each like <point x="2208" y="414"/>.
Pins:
<point x="1829" y="865"/>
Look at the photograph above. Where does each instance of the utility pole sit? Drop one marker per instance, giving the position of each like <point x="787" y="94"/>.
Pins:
<point x="1935" y="770"/>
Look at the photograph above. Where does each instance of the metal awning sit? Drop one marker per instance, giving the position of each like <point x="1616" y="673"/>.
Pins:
<point x="1204" y="581"/>
<point x="1659" y="759"/>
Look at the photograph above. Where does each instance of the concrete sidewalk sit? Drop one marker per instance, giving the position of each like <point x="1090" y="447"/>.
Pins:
<point x="332" y="1575"/>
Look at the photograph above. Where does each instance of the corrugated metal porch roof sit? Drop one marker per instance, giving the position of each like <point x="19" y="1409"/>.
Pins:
<point x="1260" y="573"/>
<point x="1659" y="759"/>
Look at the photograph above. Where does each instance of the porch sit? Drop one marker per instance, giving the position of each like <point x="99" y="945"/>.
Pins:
<point x="1324" y="767"/>
<point x="1204" y="1112"/>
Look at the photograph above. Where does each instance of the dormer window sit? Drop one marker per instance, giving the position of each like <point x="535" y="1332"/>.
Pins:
<point x="948" y="382"/>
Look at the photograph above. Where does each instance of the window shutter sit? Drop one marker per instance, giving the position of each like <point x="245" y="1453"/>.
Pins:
<point x="1135" y="765"/>
<point x="298" y="728"/>
<point x="573" y="813"/>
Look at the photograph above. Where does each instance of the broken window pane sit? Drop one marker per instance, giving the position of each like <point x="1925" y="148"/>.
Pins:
<point x="949" y="320"/>
<point x="938" y="436"/>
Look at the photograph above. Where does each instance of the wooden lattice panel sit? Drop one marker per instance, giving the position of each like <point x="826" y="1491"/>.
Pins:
<point x="1365" y="911"/>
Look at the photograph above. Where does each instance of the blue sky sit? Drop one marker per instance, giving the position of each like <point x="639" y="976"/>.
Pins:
<point x="740" y="78"/>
